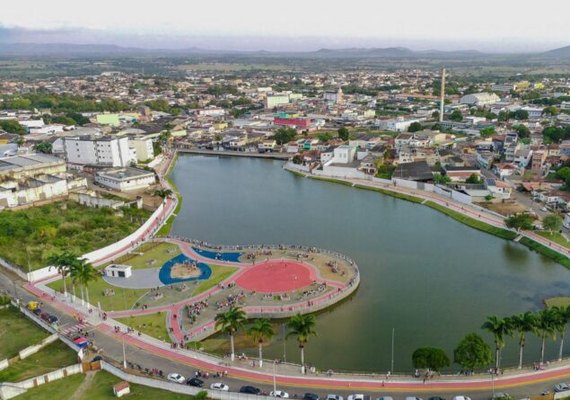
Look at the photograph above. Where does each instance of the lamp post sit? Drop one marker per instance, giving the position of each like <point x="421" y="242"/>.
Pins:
<point x="274" y="379"/>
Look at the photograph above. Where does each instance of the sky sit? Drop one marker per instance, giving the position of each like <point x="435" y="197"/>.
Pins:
<point x="501" y="25"/>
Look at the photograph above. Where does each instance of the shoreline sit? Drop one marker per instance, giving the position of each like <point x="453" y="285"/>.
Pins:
<point x="500" y="232"/>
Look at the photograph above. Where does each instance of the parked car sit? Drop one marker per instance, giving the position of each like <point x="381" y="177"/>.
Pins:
<point x="195" y="382"/>
<point x="310" y="396"/>
<point x="561" y="387"/>
<point x="37" y="311"/>
<point x="461" y="398"/>
<point x="279" y="394"/>
<point x="81" y="341"/>
<point x="44" y="316"/>
<point x="175" y="377"/>
<point x="436" y="398"/>
<point x="501" y="396"/>
<point x="385" y="398"/>
<point x="220" y="386"/>
<point x="249" y="390"/>
<point x="52" y="319"/>
<point x="358" y="397"/>
<point x="334" y="397"/>
<point x="413" y="398"/>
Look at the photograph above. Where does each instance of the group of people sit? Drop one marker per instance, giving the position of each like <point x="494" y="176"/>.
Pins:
<point x="231" y="300"/>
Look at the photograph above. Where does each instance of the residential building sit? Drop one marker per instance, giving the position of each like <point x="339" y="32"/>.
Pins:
<point x="29" y="165"/>
<point x="480" y="99"/>
<point x="275" y="100"/>
<point x="100" y="151"/>
<point x="124" y="179"/>
<point x="143" y="147"/>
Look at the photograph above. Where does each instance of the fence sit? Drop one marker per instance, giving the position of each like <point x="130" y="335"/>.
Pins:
<point x="10" y="390"/>
<point x="8" y="265"/>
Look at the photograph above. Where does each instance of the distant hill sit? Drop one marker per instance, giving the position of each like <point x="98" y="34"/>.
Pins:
<point x="562" y="52"/>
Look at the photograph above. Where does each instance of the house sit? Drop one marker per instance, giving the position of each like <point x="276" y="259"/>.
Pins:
<point x="344" y="154"/>
<point x="368" y="165"/>
<point x="292" y="147"/>
<point x="267" y="146"/>
<point x="498" y="189"/>
<point x="327" y="155"/>
<point x="504" y="169"/>
<point x="124" y="179"/>
<point x="118" y="271"/>
<point x="415" y="171"/>
<point x="460" y="174"/>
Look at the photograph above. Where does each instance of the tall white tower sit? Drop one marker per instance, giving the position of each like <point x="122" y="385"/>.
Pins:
<point x="442" y="95"/>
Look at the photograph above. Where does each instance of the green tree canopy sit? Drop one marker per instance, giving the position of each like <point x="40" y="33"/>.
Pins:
<point x="473" y="353"/>
<point x="520" y="221"/>
<point x="487" y="131"/>
<point x="473" y="179"/>
<point x="343" y="133"/>
<point x="431" y="358"/>
<point x="415" y="127"/>
<point x="43" y="147"/>
<point x="552" y="222"/>
<point x="456" y="116"/>
<point x="440" y="179"/>
<point x="284" y="135"/>
<point x="522" y="131"/>
<point x="12" y="126"/>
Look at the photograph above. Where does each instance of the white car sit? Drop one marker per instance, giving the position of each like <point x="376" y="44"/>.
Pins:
<point x="413" y="398"/>
<point x="219" y="386"/>
<point x="334" y="397"/>
<point x="461" y="398"/>
<point x="358" y="397"/>
<point x="174" y="377"/>
<point x="279" y="394"/>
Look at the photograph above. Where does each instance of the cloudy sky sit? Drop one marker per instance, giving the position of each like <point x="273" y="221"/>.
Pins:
<point x="506" y="25"/>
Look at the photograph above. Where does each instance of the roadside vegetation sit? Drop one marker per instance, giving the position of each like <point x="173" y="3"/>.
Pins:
<point x="28" y="332"/>
<point x="29" y="237"/>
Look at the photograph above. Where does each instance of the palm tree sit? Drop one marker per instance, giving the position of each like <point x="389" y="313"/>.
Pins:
<point x="63" y="262"/>
<point x="546" y="326"/>
<point x="523" y="323"/>
<point x="499" y="328"/>
<point x="562" y="320"/>
<point x="260" y="331"/>
<point x="162" y="193"/>
<point x="83" y="274"/>
<point x="302" y="326"/>
<point x="229" y="322"/>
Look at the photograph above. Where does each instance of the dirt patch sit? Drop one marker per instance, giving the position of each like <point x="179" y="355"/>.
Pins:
<point x="506" y="209"/>
<point x="185" y="271"/>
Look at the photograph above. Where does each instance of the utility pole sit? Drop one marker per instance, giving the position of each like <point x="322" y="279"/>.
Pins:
<point x="274" y="380"/>
<point x="392" y="363"/>
<point x="442" y="95"/>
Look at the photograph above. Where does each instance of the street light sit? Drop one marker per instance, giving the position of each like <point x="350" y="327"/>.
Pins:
<point x="274" y="381"/>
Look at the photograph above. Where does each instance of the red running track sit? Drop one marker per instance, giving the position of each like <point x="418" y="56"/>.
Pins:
<point x="277" y="276"/>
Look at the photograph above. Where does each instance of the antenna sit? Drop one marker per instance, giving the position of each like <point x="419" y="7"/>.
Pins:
<point x="442" y="95"/>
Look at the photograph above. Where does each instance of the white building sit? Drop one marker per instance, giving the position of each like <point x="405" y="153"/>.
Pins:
<point x="480" y="99"/>
<point x="344" y="154"/>
<point x="104" y="151"/>
<point x="118" y="271"/>
<point x="274" y="100"/>
<point x="124" y="179"/>
<point x="143" y="148"/>
<point x="396" y="125"/>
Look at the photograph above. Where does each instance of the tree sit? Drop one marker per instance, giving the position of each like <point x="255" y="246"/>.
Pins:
<point x="487" y="131"/>
<point x="504" y="116"/>
<point x="522" y="131"/>
<point x="435" y="115"/>
<point x="562" y="314"/>
<point x="324" y="137"/>
<point x="563" y="173"/>
<point x="432" y="358"/>
<point x="551" y="110"/>
<point x="440" y="179"/>
<point x="162" y="193"/>
<point x="472" y="353"/>
<point x="303" y="327"/>
<point x="473" y="179"/>
<point x="520" y="221"/>
<point x="230" y="322"/>
<point x="552" y="222"/>
<point x="546" y="327"/>
<point x="520" y="115"/>
<point x="456" y="116"/>
<point x="343" y="133"/>
<point x="499" y="328"/>
<point x="523" y="324"/>
<point x="415" y="127"/>
<point x="260" y="331"/>
<point x="64" y="263"/>
<point x="284" y="135"/>
<point x="46" y="148"/>
<point x="83" y="273"/>
<point x="12" y="126"/>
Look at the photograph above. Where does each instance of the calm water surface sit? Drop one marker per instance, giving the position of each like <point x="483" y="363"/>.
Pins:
<point x="426" y="276"/>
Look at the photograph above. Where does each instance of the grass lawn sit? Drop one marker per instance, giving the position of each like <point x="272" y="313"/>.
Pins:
<point x="397" y="195"/>
<point x="61" y="389"/>
<point x="123" y="298"/>
<point x="219" y="273"/>
<point x="101" y="388"/>
<point x="165" y="229"/>
<point x="482" y="226"/>
<point x="161" y="253"/>
<point x="555" y="237"/>
<point x="319" y="178"/>
<point x="17" y="332"/>
<point x="153" y="325"/>
<point x="54" y="356"/>
<point x="557" y="302"/>
<point x="32" y="235"/>
<point x="545" y="251"/>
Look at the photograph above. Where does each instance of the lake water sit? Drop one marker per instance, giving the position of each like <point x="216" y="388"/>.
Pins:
<point x="426" y="276"/>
